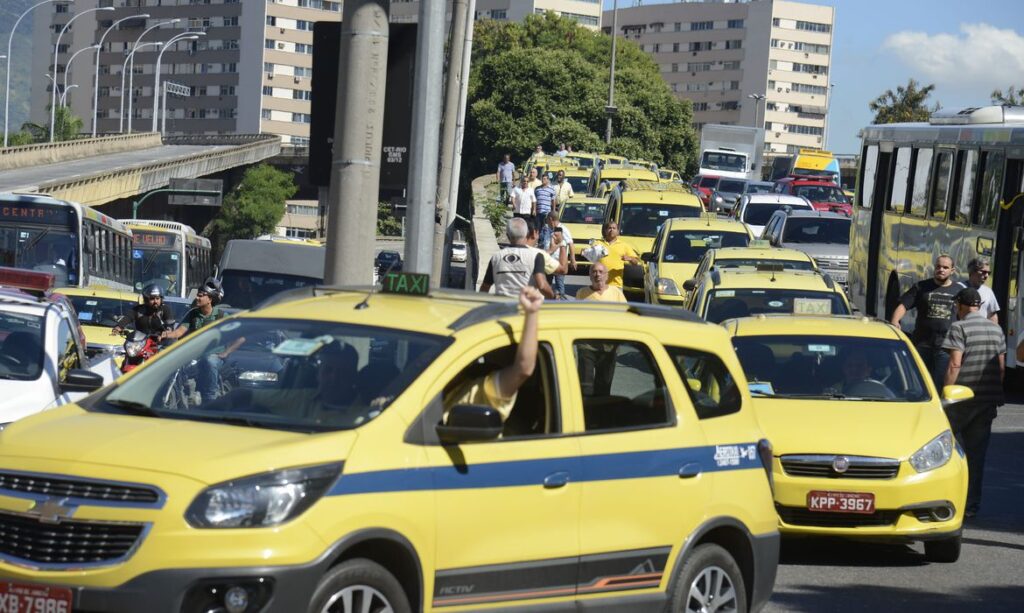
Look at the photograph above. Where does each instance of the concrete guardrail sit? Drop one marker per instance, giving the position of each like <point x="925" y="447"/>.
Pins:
<point x="53" y="153"/>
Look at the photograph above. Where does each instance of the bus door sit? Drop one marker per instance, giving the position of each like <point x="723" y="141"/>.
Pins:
<point x="1007" y="265"/>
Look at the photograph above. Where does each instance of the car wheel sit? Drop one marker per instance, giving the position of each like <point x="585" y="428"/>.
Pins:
<point x="359" y="585"/>
<point x="946" y="550"/>
<point x="709" y="582"/>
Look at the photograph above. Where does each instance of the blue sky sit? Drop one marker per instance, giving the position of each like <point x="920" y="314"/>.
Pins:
<point x="965" y="48"/>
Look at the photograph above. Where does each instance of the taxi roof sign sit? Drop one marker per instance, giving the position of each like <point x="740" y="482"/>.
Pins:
<point x="407" y="283"/>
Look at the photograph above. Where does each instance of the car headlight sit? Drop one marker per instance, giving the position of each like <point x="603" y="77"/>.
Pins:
<point x="262" y="500"/>
<point x="667" y="286"/>
<point x="134" y="348"/>
<point x="934" y="454"/>
<point x="718" y="199"/>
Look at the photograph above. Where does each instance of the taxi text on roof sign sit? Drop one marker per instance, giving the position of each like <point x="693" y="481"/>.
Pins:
<point x="411" y="283"/>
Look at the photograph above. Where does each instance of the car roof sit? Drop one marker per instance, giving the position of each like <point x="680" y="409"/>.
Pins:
<point x="634" y="192"/>
<point x="764" y="253"/>
<point x="582" y="199"/>
<point x="774" y="198"/>
<point x="98" y="291"/>
<point x="810" y="325"/>
<point x="749" y="278"/>
<point x="816" y="213"/>
<point x="575" y="171"/>
<point x="707" y="221"/>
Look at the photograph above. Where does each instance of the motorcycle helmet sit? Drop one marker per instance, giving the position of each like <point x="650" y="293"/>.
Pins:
<point x="152" y="290"/>
<point x="212" y="288"/>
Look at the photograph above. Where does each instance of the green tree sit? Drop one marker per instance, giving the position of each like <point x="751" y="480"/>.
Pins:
<point x="1013" y="96"/>
<point x="545" y="81"/>
<point x="387" y="223"/>
<point x="907" y="103"/>
<point x="254" y="207"/>
<point x="68" y="127"/>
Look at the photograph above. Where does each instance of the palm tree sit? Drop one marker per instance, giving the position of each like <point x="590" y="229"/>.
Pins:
<point x="907" y="103"/>
<point x="1012" y="97"/>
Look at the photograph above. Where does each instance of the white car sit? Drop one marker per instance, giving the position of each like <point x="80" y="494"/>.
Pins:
<point x="756" y="209"/>
<point x="42" y="350"/>
<point x="458" y="252"/>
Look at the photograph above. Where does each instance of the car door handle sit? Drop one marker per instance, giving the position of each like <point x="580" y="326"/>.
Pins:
<point x="688" y="471"/>
<point x="559" y="479"/>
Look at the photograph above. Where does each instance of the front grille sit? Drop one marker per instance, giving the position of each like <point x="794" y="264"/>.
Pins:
<point x="821" y="466"/>
<point x="69" y="542"/>
<point x="59" y="487"/>
<point x="829" y="265"/>
<point x="799" y="516"/>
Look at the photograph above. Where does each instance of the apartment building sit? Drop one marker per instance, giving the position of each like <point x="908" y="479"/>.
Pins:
<point x="585" y="12"/>
<point x="718" y="53"/>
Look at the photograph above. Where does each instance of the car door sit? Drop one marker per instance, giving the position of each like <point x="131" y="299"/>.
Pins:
<point x="508" y="509"/>
<point x="643" y="487"/>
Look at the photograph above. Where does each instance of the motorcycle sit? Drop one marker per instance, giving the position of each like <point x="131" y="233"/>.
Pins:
<point x="138" y="347"/>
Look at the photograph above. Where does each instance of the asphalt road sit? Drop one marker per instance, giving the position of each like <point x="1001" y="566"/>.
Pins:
<point x="840" y="576"/>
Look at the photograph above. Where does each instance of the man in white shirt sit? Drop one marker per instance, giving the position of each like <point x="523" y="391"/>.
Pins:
<point x="978" y="271"/>
<point x="524" y="202"/>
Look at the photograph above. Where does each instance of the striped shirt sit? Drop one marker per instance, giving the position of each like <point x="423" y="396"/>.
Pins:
<point x="982" y="342"/>
<point x="545" y="197"/>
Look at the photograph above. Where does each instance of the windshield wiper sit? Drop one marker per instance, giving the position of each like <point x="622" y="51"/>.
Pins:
<point x="134" y="407"/>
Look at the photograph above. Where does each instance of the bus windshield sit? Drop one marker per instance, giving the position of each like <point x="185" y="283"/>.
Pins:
<point x="48" y="249"/>
<point x="716" y="160"/>
<point x="159" y="266"/>
<point x="645" y="219"/>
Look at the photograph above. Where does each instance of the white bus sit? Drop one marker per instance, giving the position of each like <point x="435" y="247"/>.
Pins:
<point x="79" y="245"/>
<point x="168" y="254"/>
<point x="953" y="185"/>
<point x="251" y="271"/>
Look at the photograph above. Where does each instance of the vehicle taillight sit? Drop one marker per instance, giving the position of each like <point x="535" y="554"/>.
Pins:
<point x="764" y="451"/>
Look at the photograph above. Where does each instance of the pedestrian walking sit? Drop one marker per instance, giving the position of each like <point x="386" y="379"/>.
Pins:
<point x="563" y="190"/>
<point x="977" y="359"/>
<point x="516" y="266"/>
<point x="545" y="196"/>
<point x="505" y="171"/>
<point x="599" y="288"/>
<point x="524" y="202"/>
<point x="978" y="271"/>
<point x="934" y="300"/>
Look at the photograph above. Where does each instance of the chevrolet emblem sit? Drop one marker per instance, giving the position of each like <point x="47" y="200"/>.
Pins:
<point x="52" y="510"/>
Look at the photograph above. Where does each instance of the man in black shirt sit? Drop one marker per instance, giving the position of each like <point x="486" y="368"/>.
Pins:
<point x="150" y="317"/>
<point x="936" y="311"/>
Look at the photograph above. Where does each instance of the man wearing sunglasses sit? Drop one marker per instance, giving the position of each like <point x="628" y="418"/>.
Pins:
<point x="978" y="271"/>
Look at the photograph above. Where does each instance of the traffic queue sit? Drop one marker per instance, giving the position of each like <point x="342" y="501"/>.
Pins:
<point x="401" y="448"/>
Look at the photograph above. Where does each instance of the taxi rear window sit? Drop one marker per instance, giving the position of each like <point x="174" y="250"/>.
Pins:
<point x="301" y="375"/>
<point x="731" y="303"/>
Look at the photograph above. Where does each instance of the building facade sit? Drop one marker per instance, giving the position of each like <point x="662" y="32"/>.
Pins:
<point x="585" y="12"/>
<point x="716" y="54"/>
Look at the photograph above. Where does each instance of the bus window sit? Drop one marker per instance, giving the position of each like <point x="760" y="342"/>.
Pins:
<point x="919" y="197"/>
<point x="992" y="163"/>
<point x="967" y="169"/>
<point x="867" y="176"/>
<point x="940" y="188"/>
<point x="901" y="175"/>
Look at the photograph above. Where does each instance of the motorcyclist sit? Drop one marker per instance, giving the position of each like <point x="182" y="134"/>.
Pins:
<point x="150" y="317"/>
<point x="203" y="313"/>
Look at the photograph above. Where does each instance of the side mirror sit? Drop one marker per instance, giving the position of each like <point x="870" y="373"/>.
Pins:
<point x="952" y="394"/>
<point x="690" y="285"/>
<point x="81" y="380"/>
<point x="647" y="256"/>
<point x="470" y="422"/>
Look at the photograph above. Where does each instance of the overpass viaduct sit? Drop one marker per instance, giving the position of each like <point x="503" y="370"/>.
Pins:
<point x="96" y="171"/>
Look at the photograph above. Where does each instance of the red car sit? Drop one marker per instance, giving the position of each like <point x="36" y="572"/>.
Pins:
<point x="824" y="195"/>
<point x="704" y="185"/>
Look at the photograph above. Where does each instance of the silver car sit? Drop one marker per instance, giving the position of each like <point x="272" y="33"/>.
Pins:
<point x="822" y="235"/>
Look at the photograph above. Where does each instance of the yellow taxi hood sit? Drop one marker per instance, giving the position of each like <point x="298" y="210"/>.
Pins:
<point x="101" y="336"/>
<point x="640" y="243"/>
<point x="677" y="271"/>
<point x="204" y="451"/>
<point x="583" y="232"/>
<point x="880" y="429"/>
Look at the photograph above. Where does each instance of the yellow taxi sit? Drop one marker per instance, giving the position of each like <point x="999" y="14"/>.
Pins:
<point x="756" y="253"/>
<point x="578" y="177"/>
<point x="640" y="208"/>
<point x="644" y="164"/>
<point x="862" y="445"/>
<point x="630" y="473"/>
<point x="583" y="216"/>
<point x="667" y="175"/>
<point x="582" y="158"/>
<point x="99" y="309"/>
<point x="679" y="247"/>
<point x="610" y="159"/>
<point x="605" y="179"/>
<point x="738" y="292"/>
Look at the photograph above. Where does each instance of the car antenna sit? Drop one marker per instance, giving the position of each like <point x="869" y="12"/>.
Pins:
<point x="365" y="302"/>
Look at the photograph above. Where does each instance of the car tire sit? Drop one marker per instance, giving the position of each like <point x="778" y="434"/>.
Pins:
<point x="346" y="588"/>
<point x="710" y="580"/>
<point x="945" y="551"/>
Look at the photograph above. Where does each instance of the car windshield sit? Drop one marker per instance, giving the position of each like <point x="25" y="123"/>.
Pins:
<point x="831" y="367"/>
<point x="731" y="186"/>
<point x="579" y="184"/>
<point x="817" y="230"/>
<point x="21" y="346"/>
<point x="758" y="188"/>
<point x="578" y="212"/>
<point x="691" y="245"/>
<point x="106" y="312"/>
<point x="708" y="182"/>
<point x="758" y="213"/>
<point x="645" y="219"/>
<point x="754" y="262"/>
<point x="723" y="161"/>
<point x="287" y="374"/>
<point x="731" y="303"/>
<point x="244" y="289"/>
<point x="821" y="193"/>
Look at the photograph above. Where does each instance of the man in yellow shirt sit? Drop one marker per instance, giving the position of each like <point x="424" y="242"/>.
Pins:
<point x="620" y="253"/>
<point x="599" y="288"/>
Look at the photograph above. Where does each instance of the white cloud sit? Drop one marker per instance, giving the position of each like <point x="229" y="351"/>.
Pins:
<point x="980" y="56"/>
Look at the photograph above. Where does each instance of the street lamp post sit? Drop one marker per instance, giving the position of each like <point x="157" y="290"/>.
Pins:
<point x="828" y="108"/>
<point x="758" y="124"/>
<point x="611" y="78"/>
<point x="67" y="67"/>
<point x="131" y="64"/>
<point x="64" y="94"/>
<point x="10" y="40"/>
<point x="56" y="50"/>
<point x="96" y="80"/>
<point x="156" y="78"/>
<point x="124" y="68"/>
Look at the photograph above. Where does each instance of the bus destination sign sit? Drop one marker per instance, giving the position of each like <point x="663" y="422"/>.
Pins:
<point x="27" y="212"/>
<point x="141" y="238"/>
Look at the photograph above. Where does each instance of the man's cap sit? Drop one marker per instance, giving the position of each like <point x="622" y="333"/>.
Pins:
<point x="969" y="297"/>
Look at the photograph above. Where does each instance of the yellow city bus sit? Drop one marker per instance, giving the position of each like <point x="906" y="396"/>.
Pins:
<point x="169" y="254"/>
<point x="953" y="185"/>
